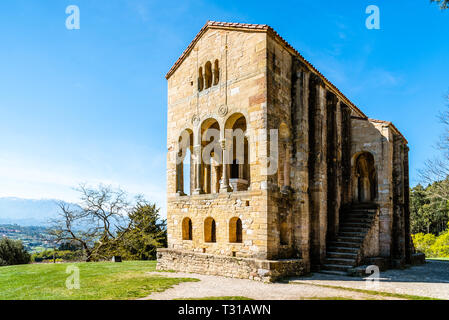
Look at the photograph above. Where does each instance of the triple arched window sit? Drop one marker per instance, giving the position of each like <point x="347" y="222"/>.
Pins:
<point x="209" y="75"/>
<point x="210" y="230"/>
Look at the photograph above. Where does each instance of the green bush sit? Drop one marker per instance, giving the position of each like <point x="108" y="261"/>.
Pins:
<point x="432" y="246"/>
<point x="13" y="252"/>
<point x="423" y="243"/>
<point x="440" y="248"/>
<point x="59" y="255"/>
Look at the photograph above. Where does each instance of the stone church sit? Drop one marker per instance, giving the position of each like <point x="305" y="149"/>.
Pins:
<point x="316" y="184"/>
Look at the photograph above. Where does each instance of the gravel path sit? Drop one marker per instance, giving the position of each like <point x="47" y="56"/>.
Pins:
<point x="429" y="280"/>
<point x="214" y="286"/>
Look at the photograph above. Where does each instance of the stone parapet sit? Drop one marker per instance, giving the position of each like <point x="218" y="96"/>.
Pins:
<point x="235" y="267"/>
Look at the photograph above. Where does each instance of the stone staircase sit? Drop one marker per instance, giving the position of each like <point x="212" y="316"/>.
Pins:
<point x="343" y="253"/>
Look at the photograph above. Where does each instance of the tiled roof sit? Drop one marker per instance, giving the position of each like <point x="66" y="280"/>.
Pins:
<point x="261" y="28"/>
<point x="389" y="123"/>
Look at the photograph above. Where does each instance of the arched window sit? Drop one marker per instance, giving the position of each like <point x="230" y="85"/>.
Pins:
<point x="216" y="73"/>
<point x="183" y="163"/>
<point x="186" y="229"/>
<point x="208" y="74"/>
<point x="239" y="166"/>
<point x="209" y="230"/>
<point x="200" y="79"/>
<point x="365" y="182"/>
<point x="235" y="230"/>
<point x="284" y="233"/>
<point x="211" y="155"/>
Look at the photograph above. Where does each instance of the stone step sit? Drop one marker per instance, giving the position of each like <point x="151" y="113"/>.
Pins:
<point x="346" y="244"/>
<point x="336" y="267"/>
<point x="361" y="211"/>
<point x="334" y="272"/>
<point x="356" y="239"/>
<point x="355" y="225"/>
<point x="342" y="250"/>
<point x="351" y="234"/>
<point x="342" y="254"/>
<point x="340" y="261"/>
<point x="355" y="220"/>
<point x="354" y="229"/>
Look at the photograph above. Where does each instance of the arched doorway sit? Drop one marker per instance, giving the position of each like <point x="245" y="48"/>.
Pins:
<point x="365" y="180"/>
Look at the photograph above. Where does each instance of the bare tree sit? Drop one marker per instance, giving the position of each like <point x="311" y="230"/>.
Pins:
<point x="100" y="220"/>
<point x="437" y="169"/>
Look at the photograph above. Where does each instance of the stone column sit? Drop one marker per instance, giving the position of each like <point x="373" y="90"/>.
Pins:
<point x="179" y="175"/>
<point x="339" y="173"/>
<point x="224" y="185"/>
<point x="286" y="169"/>
<point x="198" y="171"/>
<point x="207" y="178"/>
<point x="300" y="158"/>
<point x="322" y="176"/>
<point x="318" y="169"/>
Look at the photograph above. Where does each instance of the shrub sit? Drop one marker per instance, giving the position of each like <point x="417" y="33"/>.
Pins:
<point x="423" y="243"/>
<point x="441" y="246"/>
<point x="59" y="255"/>
<point x="12" y="252"/>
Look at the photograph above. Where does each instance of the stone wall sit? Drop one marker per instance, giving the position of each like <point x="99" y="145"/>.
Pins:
<point x="243" y="268"/>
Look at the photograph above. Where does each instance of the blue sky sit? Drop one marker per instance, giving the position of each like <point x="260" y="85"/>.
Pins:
<point x="89" y="105"/>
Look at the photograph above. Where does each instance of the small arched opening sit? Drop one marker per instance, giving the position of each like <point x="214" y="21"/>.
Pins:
<point x="235" y="230"/>
<point x="186" y="229"/>
<point x="210" y="230"/>
<point x="200" y="79"/>
<point x="216" y="73"/>
<point x="208" y="74"/>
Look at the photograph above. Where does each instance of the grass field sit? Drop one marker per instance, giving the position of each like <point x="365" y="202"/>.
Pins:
<point x="98" y="280"/>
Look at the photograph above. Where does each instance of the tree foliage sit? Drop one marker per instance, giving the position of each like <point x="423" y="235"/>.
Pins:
<point x="105" y="223"/>
<point x="13" y="252"/>
<point x="428" y="213"/>
<point x="146" y="233"/>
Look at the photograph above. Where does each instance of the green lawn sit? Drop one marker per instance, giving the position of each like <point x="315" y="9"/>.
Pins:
<point x="98" y="280"/>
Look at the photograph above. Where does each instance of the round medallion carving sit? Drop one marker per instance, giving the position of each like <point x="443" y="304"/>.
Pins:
<point x="223" y="110"/>
<point x="195" y="119"/>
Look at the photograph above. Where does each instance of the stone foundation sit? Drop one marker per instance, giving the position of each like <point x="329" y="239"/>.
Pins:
<point x="235" y="267"/>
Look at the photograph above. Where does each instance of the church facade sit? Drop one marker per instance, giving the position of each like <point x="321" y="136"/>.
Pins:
<point x="271" y="170"/>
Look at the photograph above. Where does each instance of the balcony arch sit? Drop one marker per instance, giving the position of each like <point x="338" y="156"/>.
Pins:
<point x="184" y="169"/>
<point x="237" y="149"/>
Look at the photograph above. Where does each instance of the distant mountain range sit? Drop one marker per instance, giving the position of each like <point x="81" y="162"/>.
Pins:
<point x="27" y="212"/>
